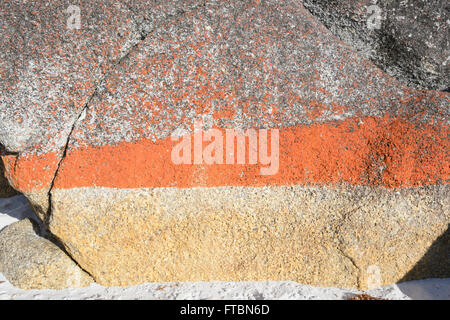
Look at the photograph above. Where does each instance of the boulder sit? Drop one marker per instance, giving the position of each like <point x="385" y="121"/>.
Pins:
<point x="30" y="261"/>
<point x="234" y="141"/>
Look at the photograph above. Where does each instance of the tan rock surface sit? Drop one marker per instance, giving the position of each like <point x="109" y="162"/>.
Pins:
<point x="29" y="261"/>
<point x="323" y="236"/>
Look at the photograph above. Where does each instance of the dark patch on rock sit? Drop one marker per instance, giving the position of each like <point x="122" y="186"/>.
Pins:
<point x="6" y="190"/>
<point x="411" y="45"/>
<point x="436" y="261"/>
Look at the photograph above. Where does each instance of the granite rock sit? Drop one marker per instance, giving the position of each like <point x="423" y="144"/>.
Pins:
<point x="407" y="39"/>
<point x="355" y="148"/>
<point x="30" y="261"/>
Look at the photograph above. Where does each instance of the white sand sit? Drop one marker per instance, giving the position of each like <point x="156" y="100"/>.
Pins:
<point x="17" y="208"/>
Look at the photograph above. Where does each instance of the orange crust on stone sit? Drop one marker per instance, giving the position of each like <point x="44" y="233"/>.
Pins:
<point x="361" y="151"/>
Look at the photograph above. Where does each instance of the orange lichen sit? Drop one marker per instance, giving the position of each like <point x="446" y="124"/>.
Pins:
<point x="368" y="151"/>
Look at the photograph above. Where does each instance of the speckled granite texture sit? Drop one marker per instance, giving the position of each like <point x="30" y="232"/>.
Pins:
<point x="86" y="118"/>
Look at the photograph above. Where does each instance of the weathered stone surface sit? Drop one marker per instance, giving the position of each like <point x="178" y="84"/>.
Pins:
<point x="435" y="262"/>
<point x="30" y="261"/>
<point x="316" y="235"/>
<point x="128" y="214"/>
<point x="49" y="71"/>
<point x="284" y="71"/>
<point x="412" y="43"/>
<point x="151" y="14"/>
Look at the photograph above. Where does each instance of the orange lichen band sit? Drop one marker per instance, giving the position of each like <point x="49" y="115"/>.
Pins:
<point x="368" y="151"/>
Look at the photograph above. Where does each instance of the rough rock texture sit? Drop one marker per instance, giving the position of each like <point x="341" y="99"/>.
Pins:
<point x="6" y="190"/>
<point x="314" y="235"/>
<point x="356" y="149"/>
<point x="49" y="71"/>
<point x="429" y="264"/>
<point x="30" y="261"/>
<point x="412" y="43"/>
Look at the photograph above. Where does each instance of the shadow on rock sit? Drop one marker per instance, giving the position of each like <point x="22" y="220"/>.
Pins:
<point x="6" y="190"/>
<point x="14" y="209"/>
<point x="434" y="264"/>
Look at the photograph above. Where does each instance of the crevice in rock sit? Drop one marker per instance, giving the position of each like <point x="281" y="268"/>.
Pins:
<point x="45" y="233"/>
<point x="141" y="32"/>
<point x="140" y="27"/>
<point x="41" y="230"/>
<point x="5" y="152"/>
<point x="80" y="115"/>
<point x="97" y="86"/>
<point x="86" y="106"/>
<point x="6" y="190"/>
<point x="337" y="232"/>
<point x="385" y="46"/>
<point x="358" y="276"/>
<point x="64" y="153"/>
